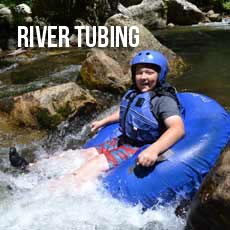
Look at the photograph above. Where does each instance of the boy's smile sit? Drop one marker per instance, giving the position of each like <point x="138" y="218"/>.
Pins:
<point x="146" y="77"/>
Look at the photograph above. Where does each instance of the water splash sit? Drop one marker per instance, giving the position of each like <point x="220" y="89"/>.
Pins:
<point x="31" y="205"/>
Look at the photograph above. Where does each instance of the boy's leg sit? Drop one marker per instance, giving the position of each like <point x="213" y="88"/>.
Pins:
<point x="92" y="169"/>
<point x="89" y="171"/>
<point x="89" y="153"/>
<point x="108" y="156"/>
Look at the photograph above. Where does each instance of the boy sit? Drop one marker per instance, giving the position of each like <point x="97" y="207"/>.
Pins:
<point x="149" y="114"/>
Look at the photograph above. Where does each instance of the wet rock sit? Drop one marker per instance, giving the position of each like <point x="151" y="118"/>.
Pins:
<point x="152" y="14"/>
<point x="215" y="17"/>
<point x="5" y="11"/>
<point x="100" y="71"/>
<point x="28" y="20"/>
<point x="170" y="25"/>
<point x="22" y="15"/>
<point x="211" y="207"/>
<point x="210" y="12"/>
<point x="182" y="12"/>
<point x="46" y="108"/>
<point x="23" y="9"/>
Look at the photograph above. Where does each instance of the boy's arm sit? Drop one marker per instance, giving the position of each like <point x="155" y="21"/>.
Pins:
<point x="109" y="119"/>
<point x="175" y="131"/>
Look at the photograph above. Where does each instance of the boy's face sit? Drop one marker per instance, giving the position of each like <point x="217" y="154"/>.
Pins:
<point x="146" y="77"/>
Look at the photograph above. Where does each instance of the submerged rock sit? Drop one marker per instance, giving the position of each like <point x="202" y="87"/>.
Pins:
<point x="211" y="207"/>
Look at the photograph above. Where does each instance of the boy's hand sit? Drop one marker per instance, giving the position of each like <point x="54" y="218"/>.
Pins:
<point x="147" y="158"/>
<point x="96" y="125"/>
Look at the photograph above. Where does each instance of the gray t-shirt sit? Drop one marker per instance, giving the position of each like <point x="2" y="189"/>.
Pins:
<point x="164" y="107"/>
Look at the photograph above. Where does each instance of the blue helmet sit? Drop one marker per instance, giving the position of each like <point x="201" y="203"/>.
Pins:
<point x="155" y="58"/>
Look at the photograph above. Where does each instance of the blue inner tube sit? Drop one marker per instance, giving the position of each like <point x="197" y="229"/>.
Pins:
<point x="186" y="163"/>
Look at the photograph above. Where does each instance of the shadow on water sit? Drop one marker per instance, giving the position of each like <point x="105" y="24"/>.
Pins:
<point x="207" y="51"/>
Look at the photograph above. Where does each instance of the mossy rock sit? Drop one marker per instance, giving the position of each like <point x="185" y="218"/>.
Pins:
<point x="47" y="121"/>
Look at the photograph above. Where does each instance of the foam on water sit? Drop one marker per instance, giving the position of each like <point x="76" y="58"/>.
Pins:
<point x="34" y="205"/>
<point x="67" y="71"/>
<point x="8" y="68"/>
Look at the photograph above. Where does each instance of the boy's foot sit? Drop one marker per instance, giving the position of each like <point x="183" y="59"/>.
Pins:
<point x="16" y="160"/>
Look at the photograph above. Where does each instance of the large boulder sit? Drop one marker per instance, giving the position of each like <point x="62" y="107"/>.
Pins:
<point x="152" y="14"/>
<point x="46" y="108"/>
<point x="110" y="70"/>
<point x="211" y="207"/>
<point x="100" y="71"/>
<point x="182" y="12"/>
<point x="64" y="12"/>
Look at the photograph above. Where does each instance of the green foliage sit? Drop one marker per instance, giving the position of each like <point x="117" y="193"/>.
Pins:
<point x="226" y="5"/>
<point x="16" y="2"/>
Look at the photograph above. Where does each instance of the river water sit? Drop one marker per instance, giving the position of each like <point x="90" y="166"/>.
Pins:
<point x="29" y="202"/>
<point x="207" y="51"/>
